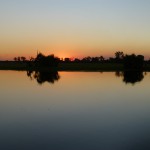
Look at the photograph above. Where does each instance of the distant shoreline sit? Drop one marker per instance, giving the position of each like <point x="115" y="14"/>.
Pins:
<point x="71" y="66"/>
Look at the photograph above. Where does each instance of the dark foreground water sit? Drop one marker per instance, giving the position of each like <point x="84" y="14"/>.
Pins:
<point x="74" y="111"/>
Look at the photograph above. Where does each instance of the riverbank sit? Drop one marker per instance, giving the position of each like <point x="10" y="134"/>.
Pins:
<point x="15" y="65"/>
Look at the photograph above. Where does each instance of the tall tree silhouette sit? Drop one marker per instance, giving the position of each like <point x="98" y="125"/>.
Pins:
<point x="119" y="56"/>
<point x="23" y="58"/>
<point x="46" y="61"/>
<point x="101" y="58"/>
<point x="15" y="58"/>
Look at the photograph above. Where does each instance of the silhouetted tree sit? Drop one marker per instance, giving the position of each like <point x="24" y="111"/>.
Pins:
<point x="133" y="62"/>
<point x="87" y="59"/>
<point x="18" y="58"/>
<point x="32" y="59"/>
<point x="119" y="56"/>
<point x="67" y="60"/>
<point x="23" y="58"/>
<point x="44" y="76"/>
<point x="76" y="60"/>
<point x="101" y="59"/>
<point x="15" y="59"/>
<point x="46" y="61"/>
<point x="132" y="76"/>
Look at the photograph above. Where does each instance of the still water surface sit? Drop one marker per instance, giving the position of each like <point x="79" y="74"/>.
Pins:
<point x="74" y="111"/>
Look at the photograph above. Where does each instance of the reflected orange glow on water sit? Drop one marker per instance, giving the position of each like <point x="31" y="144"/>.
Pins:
<point x="78" y="101"/>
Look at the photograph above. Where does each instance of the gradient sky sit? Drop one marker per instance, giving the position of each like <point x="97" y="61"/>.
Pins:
<point x="76" y="28"/>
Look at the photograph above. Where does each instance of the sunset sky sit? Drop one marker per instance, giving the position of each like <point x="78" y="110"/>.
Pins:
<point x="74" y="28"/>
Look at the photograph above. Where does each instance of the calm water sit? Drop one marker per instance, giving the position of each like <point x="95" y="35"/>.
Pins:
<point x="74" y="111"/>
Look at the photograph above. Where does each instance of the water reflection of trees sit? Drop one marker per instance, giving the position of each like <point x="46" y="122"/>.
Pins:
<point x="44" y="76"/>
<point x="130" y="76"/>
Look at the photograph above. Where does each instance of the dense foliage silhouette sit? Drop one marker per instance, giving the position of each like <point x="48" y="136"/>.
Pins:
<point x="133" y="62"/>
<point x="46" y="61"/>
<point x="44" y="76"/>
<point x="130" y="76"/>
<point x="133" y="76"/>
<point x="120" y="61"/>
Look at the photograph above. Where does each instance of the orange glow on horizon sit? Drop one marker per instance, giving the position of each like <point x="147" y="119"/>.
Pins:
<point x="68" y="54"/>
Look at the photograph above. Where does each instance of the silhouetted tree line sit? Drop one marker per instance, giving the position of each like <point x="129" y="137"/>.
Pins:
<point x="120" y="57"/>
<point x="130" y="62"/>
<point x="98" y="59"/>
<point x="22" y="58"/>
